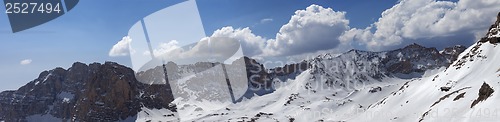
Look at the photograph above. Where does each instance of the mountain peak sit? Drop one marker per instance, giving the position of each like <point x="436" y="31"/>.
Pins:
<point x="77" y="64"/>
<point x="354" y="51"/>
<point x="493" y="34"/>
<point x="414" y="45"/>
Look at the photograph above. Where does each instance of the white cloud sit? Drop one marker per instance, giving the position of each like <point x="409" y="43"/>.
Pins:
<point x="252" y="44"/>
<point x="26" y="62"/>
<point x="427" y="20"/>
<point x="166" y="47"/>
<point x="318" y="29"/>
<point x="310" y="30"/>
<point x="266" y="20"/>
<point x="214" y="47"/>
<point x="207" y="49"/>
<point x="121" y="48"/>
<point x="361" y="35"/>
<point x="313" y="29"/>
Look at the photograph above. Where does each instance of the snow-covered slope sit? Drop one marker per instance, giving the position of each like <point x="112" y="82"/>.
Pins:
<point x="464" y="91"/>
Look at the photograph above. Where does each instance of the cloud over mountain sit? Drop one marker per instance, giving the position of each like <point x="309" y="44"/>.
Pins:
<point x="427" y="20"/>
<point x="313" y="29"/>
<point x="437" y="23"/>
<point x="121" y="48"/>
<point x="317" y="28"/>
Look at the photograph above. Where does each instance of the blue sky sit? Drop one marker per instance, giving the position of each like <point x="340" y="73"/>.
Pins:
<point x="88" y="32"/>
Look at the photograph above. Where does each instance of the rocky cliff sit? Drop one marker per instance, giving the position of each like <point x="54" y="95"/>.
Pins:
<point x="94" y="92"/>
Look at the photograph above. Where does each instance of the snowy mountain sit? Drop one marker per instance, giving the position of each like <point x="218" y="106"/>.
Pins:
<point x="111" y="92"/>
<point x="369" y="86"/>
<point x="465" y="91"/>
<point x="334" y="88"/>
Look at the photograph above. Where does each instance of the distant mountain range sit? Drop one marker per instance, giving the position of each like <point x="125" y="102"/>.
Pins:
<point x="110" y="92"/>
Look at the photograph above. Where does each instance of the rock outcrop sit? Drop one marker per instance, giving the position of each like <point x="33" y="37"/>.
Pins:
<point x="95" y="92"/>
<point x="493" y="35"/>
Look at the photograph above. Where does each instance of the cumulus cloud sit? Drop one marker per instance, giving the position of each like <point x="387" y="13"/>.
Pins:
<point x="217" y="48"/>
<point x="427" y="20"/>
<point x="310" y="30"/>
<point x="214" y="47"/>
<point x="252" y="44"/>
<point x="26" y="62"/>
<point x="121" y="48"/>
<point x="164" y="47"/>
<point x="318" y="29"/>
<point x="315" y="28"/>
<point x="207" y="49"/>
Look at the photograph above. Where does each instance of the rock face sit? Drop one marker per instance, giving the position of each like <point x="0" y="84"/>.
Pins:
<point x="413" y="58"/>
<point x="95" y="92"/>
<point x="260" y="80"/>
<point x="493" y="35"/>
<point x="452" y="53"/>
<point x="484" y="92"/>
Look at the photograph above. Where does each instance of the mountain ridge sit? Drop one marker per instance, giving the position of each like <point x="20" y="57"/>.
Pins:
<point x="118" y="85"/>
